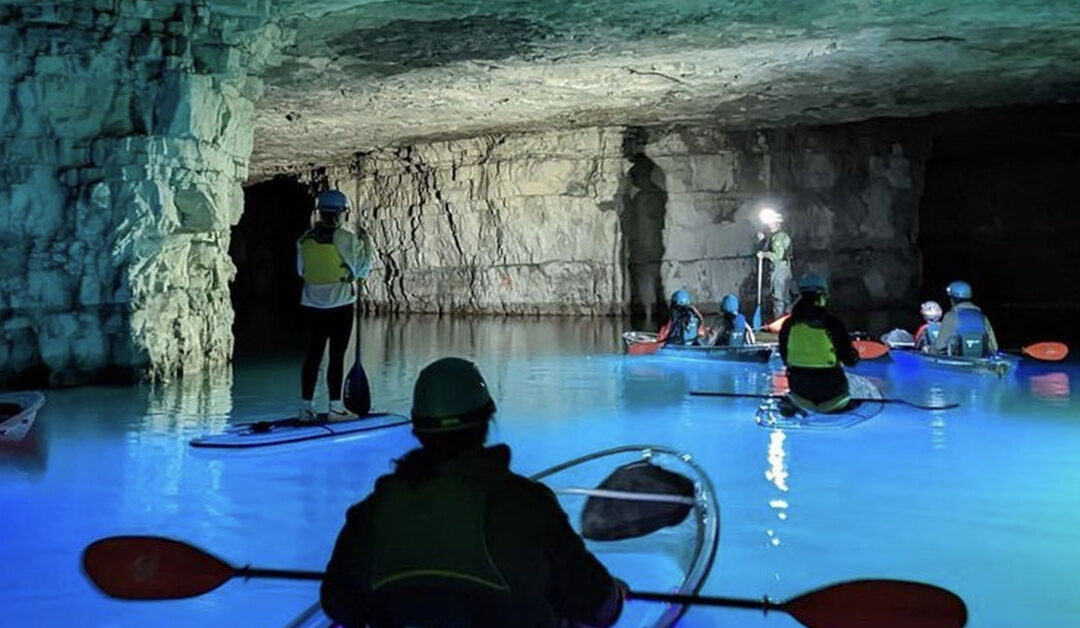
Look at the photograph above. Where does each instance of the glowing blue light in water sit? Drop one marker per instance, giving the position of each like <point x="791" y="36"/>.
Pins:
<point x="981" y="500"/>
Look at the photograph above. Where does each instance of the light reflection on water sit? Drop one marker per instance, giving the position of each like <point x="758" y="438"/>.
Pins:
<point x="981" y="499"/>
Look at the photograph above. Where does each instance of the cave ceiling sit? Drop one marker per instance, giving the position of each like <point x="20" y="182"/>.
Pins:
<point x="366" y="73"/>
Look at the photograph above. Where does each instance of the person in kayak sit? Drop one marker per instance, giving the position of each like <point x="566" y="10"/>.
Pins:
<point x="732" y="330"/>
<point x="776" y="247"/>
<point x="813" y="345"/>
<point x="931" y="327"/>
<point x="965" y="330"/>
<point x="454" y="538"/>
<point x="686" y="325"/>
<point x="329" y="258"/>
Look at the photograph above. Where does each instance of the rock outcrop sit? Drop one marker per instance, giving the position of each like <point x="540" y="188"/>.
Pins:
<point x="125" y="133"/>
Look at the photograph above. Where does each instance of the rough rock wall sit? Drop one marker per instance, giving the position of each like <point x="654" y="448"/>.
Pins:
<point x="125" y="133"/>
<point x="514" y="224"/>
<point x="606" y="221"/>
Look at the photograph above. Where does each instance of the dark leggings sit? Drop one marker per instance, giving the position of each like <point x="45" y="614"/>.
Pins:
<point x="335" y="325"/>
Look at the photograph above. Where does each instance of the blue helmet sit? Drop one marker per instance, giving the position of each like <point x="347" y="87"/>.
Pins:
<point x="812" y="283"/>
<point x="331" y="201"/>
<point x="959" y="290"/>
<point x="681" y="297"/>
<point x="729" y="304"/>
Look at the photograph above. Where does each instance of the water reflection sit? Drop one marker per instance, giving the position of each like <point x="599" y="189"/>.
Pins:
<point x="777" y="475"/>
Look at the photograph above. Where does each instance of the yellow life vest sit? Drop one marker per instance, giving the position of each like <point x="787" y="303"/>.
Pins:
<point x="323" y="263"/>
<point x="810" y="347"/>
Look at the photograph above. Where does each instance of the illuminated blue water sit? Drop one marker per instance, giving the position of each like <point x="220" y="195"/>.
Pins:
<point x="981" y="500"/>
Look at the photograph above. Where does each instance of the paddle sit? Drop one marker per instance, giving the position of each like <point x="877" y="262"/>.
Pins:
<point x="1047" y="351"/>
<point x="710" y="393"/>
<point x="644" y="348"/>
<point x="870" y="349"/>
<point x="357" y="393"/>
<point x="756" y="322"/>
<point x="157" y="568"/>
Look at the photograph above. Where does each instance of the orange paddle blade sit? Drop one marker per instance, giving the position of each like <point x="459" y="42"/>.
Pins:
<point x="775" y="326"/>
<point x="152" y="568"/>
<point x="870" y="349"/>
<point x="1052" y="351"/>
<point x="644" y="348"/>
<point x="879" y="604"/>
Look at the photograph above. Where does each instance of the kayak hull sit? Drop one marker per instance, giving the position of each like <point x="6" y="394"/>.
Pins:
<point x="999" y="365"/>
<point x="18" y="410"/>
<point x="292" y="430"/>
<point x="686" y="550"/>
<point x="772" y="414"/>
<point x="759" y="353"/>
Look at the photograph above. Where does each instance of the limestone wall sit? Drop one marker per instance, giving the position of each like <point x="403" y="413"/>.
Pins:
<point x="125" y="132"/>
<point x="606" y="221"/>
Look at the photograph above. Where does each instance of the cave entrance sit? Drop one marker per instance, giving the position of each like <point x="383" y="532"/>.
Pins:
<point x="266" y="292"/>
<point x="1000" y="211"/>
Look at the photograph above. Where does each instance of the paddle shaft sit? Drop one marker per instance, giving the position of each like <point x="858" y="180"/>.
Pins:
<point x="356" y="307"/>
<point x="284" y="574"/>
<point x="763" y="604"/>
<point x="708" y="393"/>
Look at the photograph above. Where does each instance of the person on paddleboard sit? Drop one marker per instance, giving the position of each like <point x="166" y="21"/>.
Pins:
<point x="814" y="344"/>
<point x="330" y="259"/>
<point x="732" y="330"/>
<point x="928" y="333"/>
<point x="775" y="246"/>
<point x="965" y="330"/>
<point x="454" y="538"/>
<point x="686" y="326"/>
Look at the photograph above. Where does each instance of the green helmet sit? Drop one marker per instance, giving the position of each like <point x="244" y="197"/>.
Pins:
<point x="450" y="394"/>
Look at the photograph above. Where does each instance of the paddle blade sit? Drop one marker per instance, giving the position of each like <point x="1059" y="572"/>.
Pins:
<point x="878" y="604"/>
<point x="756" y="320"/>
<point x="644" y="348"/>
<point x="612" y="519"/>
<point x="870" y="349"/>
<point x="357" y="394"/>
<point x="152" y="568"/>
<point x="775" y="325"/>
<point x="1050" y="351"/>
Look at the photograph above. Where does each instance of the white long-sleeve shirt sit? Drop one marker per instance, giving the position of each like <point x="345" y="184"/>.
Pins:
<point x="358" y="253"/>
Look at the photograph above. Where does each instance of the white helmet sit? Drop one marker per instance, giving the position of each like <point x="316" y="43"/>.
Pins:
<point x="930" y="310"/>
<point x="769" y="215"/>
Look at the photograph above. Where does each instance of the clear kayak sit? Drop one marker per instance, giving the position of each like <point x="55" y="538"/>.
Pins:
<point x="672" y="559"/>
<point x="17" y="413"/>
<point x="998" y="364"/>
<point x="293" y="430"/>
<point x="747" y="353"/>
<point x="777" y="412"/>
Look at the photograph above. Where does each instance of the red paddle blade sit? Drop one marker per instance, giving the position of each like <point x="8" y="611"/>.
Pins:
<point x="152" y="568"/>
<point x="879" y="604"/>
<point x="1052" y="351"/>
<point x="644" y="348"/>
<point x="870" y="349"/>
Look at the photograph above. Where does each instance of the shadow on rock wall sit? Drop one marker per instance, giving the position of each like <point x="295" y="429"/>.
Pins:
<point x="644" y="202"/>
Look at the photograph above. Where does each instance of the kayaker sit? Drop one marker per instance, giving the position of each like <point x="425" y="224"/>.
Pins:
<point x="733" y="330"/>
<point x="965" y="330"/>
<point x="454" y="538"/>
<point x="330" y="259"/>
<point x="928" y="332"/>
<point x="776" y="247"/>
<point x="813" y="345"/>
<point x="686" y="326"/>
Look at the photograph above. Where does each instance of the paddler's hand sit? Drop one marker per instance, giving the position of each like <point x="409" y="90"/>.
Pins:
<point x="761" y="254"/>
<point x="622" y="588"/>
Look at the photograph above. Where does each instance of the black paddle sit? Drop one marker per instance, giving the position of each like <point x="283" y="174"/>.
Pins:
<point x="357" y="394"/>
<point x="157" y="568"/>
<point x="710" y="393"/>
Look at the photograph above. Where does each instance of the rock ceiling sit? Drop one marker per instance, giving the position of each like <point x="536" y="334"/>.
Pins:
<point x="367" y="73"/>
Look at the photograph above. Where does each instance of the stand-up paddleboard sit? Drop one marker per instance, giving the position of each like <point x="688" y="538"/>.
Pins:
<point x="675" y="558"/>
<point x="783" y="412"/>
<point x="293" y="430"/>
<point x="17" y="413"/>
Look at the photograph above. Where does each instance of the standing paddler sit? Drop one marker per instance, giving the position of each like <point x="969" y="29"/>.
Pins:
<point x="775" y="246"/>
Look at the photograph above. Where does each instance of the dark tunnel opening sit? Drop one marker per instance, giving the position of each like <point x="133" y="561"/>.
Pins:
<point x="266" y="292"/>
<point x="1000" y="211"/>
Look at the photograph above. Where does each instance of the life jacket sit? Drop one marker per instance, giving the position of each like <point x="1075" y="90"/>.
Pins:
<point x="788" y="254"/>
<point x="323" y="262"/>
<point x="927" y="334"/>
<point x="684" y="326"/>
<point x="809" y="346"/>
<point x="970" y="339"/>
<point x="732" y="331"/>
<point x="434" y="529"/>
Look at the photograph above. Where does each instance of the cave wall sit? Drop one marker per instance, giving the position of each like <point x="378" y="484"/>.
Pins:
<point x="610" y="221"/>
<point x="125" y="133"/>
